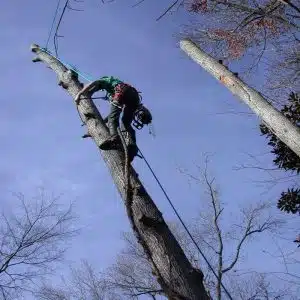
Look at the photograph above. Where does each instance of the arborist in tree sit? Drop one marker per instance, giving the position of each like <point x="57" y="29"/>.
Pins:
<point x="121" y="96"/>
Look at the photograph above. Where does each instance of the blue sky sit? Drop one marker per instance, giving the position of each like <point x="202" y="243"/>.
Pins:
<point x="41" y="133"/>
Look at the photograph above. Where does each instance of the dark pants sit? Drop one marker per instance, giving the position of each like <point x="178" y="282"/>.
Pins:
<point x="131" y="100"/>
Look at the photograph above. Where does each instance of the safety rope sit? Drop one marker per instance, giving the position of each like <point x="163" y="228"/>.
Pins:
<point x="129" y="200"/>
<point x="69" y="66"/>
<point x="182" y="222"/>
<point x="126" y="169"/>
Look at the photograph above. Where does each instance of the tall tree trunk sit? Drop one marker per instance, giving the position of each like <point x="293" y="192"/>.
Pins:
<point x="178" y="279"/>
<point x="287" y="132"/>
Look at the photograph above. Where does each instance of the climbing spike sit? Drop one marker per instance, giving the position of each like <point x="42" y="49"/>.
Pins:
<point x="197" y="273"/>
<point x="150" y="222"/>
<point x="146" y="221"/>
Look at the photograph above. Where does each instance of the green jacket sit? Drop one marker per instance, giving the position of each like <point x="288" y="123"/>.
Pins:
<point x="108" y="83"/>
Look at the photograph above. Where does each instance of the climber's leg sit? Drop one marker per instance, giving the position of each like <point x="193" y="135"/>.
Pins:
<point x="113" y="124"/>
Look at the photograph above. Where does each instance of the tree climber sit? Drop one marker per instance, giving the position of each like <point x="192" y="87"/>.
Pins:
<point x="121" y="96"/>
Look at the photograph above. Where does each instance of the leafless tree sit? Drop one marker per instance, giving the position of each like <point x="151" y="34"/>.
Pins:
<point x="273" y="176"/>
<point x="258" y="287"/>
<point x="33" y="238"/>
<point x="88" y="284"/>
<point x="284" y="72"/>
<point x="47" y="292"/>
<point x="130" y="277"/>
<point x="84" y="284"/>
<point x="255" y="33"/>
<point x="262" y="32"/>
<point x="131" y="274"/>
<point x="223" y="245"/>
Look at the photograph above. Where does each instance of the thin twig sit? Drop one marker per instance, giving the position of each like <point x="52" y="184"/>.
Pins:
<point x="167" y="10"/>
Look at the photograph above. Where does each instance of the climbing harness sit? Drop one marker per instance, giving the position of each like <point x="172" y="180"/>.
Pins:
<point x="119" y="91"/>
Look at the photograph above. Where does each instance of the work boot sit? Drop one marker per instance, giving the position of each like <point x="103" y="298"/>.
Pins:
<point x="113" y="142"/>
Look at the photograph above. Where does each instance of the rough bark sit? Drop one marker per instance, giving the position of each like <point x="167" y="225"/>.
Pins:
<point x="287" y="132"/>
<point x="178" y="279"/>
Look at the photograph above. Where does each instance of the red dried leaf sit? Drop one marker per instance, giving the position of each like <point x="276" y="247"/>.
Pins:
<point x="198" y="6"/>
<point x="236" y="42"/>
<point x="270" y="25"/>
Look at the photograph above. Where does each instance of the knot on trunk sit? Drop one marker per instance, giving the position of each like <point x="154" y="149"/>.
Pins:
<point x="67" y="77"/>
<point x="196" y="275"/>
<point x="70" y="74"/>
<point x="138" y="190"/>
<point x="152" y="222"/>
<point x="36" y="59"/>
<point x="34" y="48"/>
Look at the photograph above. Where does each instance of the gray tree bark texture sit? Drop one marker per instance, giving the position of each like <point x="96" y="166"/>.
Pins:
<point x="178" y="279"/>
<point x="287" y="132"/>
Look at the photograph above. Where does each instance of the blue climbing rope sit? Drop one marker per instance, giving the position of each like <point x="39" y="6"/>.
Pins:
<point x="69" y="66"/>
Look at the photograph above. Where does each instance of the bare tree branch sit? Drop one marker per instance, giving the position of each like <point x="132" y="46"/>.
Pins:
<point x="251" y="217"/>
<point x="169" y="9"/>
<point x="32" y="240"/>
